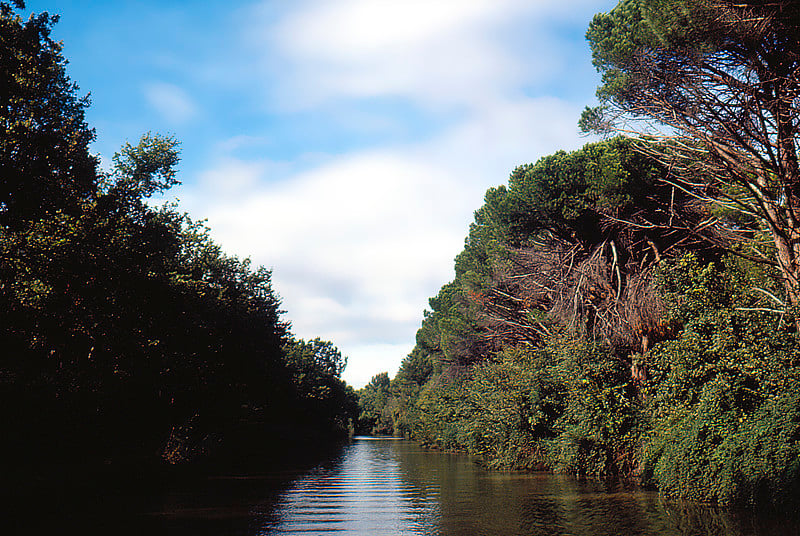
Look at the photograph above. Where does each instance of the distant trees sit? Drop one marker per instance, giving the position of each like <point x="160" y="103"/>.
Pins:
<point x="720" y="79"/>
<point x="322" y="399"/>
<point x="387" y="407"/>
<point x="373" y="401"/>
<point x="315" y="357"/>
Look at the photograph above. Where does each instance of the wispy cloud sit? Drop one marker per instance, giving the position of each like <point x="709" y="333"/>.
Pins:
<point x="169" y="100"/>
<point x="360" y="243"/>
<point x="361" y="238"/>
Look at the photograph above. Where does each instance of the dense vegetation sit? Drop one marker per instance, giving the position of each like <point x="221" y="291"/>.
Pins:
<point x="129" y="339"/>
<point x="626" y="310"/>
<point x="629" y="309"/>
<point x="581" y="336"/>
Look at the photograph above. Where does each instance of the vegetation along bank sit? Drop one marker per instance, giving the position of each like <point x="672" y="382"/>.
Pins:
<point x="630" y="309"/>
<point x="131" y="344"/>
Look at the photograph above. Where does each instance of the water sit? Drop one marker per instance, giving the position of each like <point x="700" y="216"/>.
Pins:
<point x="393" y="487"/>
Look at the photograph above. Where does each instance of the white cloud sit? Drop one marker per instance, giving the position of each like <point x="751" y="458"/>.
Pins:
<point x="359" y="241"/>
<point x="359" y="244"/>
<point x="242" y="141"/>
<point x="233" y="177"/>
<point x="374" y="359"/>
<point x="169" y="100"/>
<point x="438" y="53"/>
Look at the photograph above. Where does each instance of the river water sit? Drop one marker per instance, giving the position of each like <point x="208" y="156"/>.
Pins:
<point x="393" y="487"/>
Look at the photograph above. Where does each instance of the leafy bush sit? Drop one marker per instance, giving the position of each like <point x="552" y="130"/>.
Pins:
<point x="598" y="431"/>
<point x="724" y="395"/>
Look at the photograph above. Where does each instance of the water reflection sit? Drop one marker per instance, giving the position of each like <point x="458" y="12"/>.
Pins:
<point x="361" y="492"/>
<point x="474" y="501"/>
<point x="390" y="487"/>
<point x="394" y="487"/>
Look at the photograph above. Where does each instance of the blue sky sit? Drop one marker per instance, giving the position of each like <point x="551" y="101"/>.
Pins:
<point x="342" y="143"/>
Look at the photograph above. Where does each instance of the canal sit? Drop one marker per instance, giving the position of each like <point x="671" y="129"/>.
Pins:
<point x="394" y="487"/>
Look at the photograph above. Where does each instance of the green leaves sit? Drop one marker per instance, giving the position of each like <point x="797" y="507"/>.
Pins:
<point x="635" y="29"/>
<point x="147" y="168"/>
<point x="717" y="433"/>
<point x="373" y="401"/>
<point x="315" y="357"/>
<point x="320" y="402"/>
<point x="45" y="163"/>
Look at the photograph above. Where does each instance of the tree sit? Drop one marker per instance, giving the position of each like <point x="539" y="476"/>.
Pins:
<point x="315" y="357"/>
<point x="323" y="403"/>
<point x="716" y="83"/>
<point x="45" y="164"/>
<point x="372" y="402"/>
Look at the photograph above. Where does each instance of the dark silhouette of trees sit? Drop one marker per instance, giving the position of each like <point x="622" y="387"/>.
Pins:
<point x="127" y="337"/>
<point x="45" y="164"/>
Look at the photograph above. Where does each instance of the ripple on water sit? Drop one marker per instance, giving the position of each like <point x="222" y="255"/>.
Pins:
<point x="364" y="492"/>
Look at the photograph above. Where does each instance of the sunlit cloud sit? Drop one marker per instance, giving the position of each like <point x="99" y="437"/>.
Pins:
<point x="233" y="177"/>
<point x="359" y="243"/>
<point x="345" y="144"/>
<point x="440" y="54"/>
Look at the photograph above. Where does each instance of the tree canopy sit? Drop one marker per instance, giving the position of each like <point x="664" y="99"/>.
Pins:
<point x="129" y="338"/>
<point x="716" y="83"/>
<point x="45" y="163"/>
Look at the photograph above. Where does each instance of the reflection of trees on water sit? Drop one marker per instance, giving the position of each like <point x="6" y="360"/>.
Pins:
<point x="703" y="520"/>
<point x="474" y="501"/>
<point x="395" y="487"/>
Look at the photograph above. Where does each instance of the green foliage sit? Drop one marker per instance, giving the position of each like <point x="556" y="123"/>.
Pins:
<point x="566" y="407"/>
<point x="373" y="401"/>
<point x="316" y="357"/>
<point x="147" y="168"/>
<point x="566" y="193"/>
<point x="415" y="371"/>
<point x="723" y="397"/>
<point x="129" y="338"/>
<point x="448" y="328"/>
<point x="323" y="402"/>
<point x="45" y="163"/>
<point x="598" y="429"/>
<point x="619" y="39"/>
<point x="718" y="419"/>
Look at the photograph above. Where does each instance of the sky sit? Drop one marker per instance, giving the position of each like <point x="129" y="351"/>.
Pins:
<point x="343" y="144"/>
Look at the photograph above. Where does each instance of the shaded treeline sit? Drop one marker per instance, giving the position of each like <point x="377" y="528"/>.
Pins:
<point x="604" y="323"/>
<point x="128" y="338"/>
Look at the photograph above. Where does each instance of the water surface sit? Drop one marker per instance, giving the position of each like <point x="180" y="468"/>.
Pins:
<point x="393" y="487"/>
